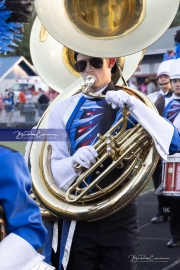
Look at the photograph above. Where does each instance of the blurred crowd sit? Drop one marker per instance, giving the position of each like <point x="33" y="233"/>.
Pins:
<point x="147" y="85"/>
<point x="10" y="103"/>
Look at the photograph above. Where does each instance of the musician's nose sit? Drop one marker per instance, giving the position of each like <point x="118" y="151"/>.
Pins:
<point x="89" y="67"/>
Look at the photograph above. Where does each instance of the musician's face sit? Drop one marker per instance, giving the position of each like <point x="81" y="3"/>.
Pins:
<point x="103" y="74"/>
<point x="164" y="82"/>
<point x="176" y="86"/>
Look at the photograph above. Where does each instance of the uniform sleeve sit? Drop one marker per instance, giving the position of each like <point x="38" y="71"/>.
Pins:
<point x="173" y="137"/>
<point x="175" y="142"/>
<point x="61" y="160"/>
<point x="22" y="213"/>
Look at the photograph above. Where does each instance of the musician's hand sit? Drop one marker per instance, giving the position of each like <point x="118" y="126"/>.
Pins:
<point x="85" y="156"/>
<point x="120" y="99"/>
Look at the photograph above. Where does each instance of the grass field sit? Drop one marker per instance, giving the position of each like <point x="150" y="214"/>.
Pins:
<point x="19" y="146"/>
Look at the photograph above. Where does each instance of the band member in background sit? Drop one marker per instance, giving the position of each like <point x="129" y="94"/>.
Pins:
<point x="163" y="82"/>
<point x="161" y="98"/>
<point x="172" y="113"/>
<point x="79" y="119"/>
<point x="25" y="232"/>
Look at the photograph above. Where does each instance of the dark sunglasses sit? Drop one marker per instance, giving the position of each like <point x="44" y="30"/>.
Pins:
<point x="95" y="62"/>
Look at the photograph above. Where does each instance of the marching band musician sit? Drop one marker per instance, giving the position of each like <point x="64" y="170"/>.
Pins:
<point x="161" y="98"/>
<point x="172" y="113"/>
<point x="25" y="232"/>
<point x="114" y="239"/>
<point x="163" y="82"/>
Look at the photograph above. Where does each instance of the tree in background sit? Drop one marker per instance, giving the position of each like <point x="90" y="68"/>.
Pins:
<point x="176" y="21"/>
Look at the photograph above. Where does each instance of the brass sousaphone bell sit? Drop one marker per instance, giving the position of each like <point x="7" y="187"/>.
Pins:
<point x="120" y="28"/>
<point x="55" y="63"/>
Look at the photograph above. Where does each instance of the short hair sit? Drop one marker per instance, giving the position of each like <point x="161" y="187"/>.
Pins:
<point x="177" y="36"/>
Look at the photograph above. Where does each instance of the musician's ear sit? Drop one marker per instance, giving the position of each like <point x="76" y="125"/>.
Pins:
<point x="112" y="62"/>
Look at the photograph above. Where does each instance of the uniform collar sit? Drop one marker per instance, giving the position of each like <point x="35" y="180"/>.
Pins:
<point x="162" y="93"/>
<point x="175" y="97"/>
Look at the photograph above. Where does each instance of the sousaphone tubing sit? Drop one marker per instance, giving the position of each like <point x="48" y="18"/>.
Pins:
<point x="109" y="28"/>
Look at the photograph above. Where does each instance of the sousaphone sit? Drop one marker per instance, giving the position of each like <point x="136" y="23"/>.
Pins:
<point x="108" y="28"/>
<point x="117" y="27"/>
<point x="55" y="63"/>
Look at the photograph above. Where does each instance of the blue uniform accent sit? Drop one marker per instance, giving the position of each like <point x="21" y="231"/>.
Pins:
<point x="47" y="248"/>
<point x="22" y="213"/>
<point x="172" y="110"/>
<point x="175" y="143"/>
<point x="86" y="122"/>
<point x="170" y="113"/>
<point x="73" y="115"/>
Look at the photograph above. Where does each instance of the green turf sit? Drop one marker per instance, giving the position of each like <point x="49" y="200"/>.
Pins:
<point x="19" y="146"/>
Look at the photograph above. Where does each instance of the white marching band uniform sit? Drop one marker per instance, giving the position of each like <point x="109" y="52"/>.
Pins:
<point x="61" y="160"/>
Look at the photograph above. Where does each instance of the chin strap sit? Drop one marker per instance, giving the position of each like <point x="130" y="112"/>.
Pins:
<point x="164" y="83"/>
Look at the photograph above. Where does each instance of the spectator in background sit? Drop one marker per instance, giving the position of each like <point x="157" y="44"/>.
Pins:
<point x="43" y="102"/>
<point x="11" y="94"/>
<point x="21" y="101"/>
<point x="169" y="55"/>
<point x="152" y="86"/>
<point x="133" y="83"/>
<point x="143" y="86"/>
<point x="9" y="109"/>
<point x="29" y="96"/>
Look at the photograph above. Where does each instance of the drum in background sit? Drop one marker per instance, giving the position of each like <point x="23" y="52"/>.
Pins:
<point x="171" y="176"/>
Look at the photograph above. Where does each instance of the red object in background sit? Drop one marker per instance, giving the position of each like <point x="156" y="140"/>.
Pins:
<point x="22" y="98"/>
<point x="169" y="176"/>
<point x="177" y="177"/>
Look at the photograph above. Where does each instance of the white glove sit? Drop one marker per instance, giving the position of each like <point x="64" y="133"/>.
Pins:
<point x="148" y="118"/>
<point x="85" y="156"/>
<point x="120" y="99"/>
